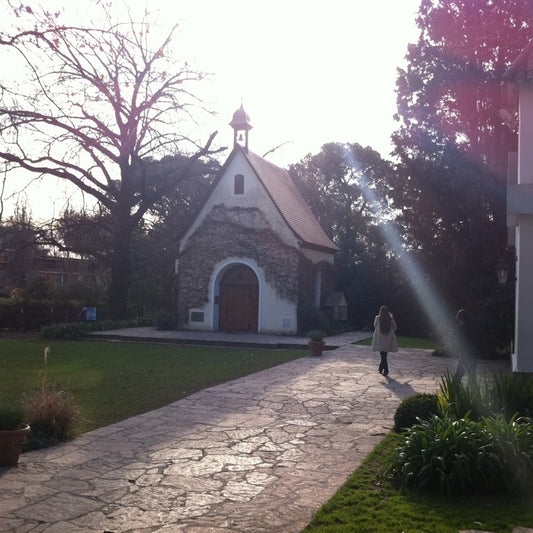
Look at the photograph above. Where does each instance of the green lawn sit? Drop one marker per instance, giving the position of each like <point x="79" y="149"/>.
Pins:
<point x="368" y="503"/>
<point x="408" y="342"/>
<point x="111" y="381"/>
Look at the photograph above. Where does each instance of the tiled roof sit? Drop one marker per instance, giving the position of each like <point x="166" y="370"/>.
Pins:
<point x="290" y="202"/>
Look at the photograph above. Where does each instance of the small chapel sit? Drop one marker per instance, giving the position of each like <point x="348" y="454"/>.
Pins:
<point x="255" y="252"/>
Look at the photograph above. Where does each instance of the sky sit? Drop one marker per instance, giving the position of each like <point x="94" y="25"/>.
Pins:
<point x="307" y="72"/>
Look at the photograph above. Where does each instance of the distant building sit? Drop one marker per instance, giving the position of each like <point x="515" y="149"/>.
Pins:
<point x="56" y="271"/>
<point x="255" y="252"/>
<point x="59" y="271"/>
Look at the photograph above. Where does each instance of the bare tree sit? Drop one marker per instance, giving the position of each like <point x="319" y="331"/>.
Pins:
<point x="93" y="105"/>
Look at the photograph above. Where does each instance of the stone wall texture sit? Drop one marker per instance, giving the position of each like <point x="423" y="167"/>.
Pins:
<point x="235" y="232"/>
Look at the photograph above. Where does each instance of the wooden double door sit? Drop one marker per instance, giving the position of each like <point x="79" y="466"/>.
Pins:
<point x="239" y="300"/>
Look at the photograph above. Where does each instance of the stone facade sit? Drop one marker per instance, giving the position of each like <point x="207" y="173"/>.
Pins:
<point x="235" y="232"/>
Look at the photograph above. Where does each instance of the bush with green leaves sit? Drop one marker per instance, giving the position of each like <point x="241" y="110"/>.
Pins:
<point x="511" y="394"/>
<point x="311" y="318"/>
<point x="316" y="335"/>
<point x="76" y="330"/>
<point x="11" y="417"/>
<point x="442" y="454"/>
<point x="507" y="393"/>
<point x="512" y="443"/>
<point x="166" y="320"/>
<point x="416" y="407"/>
<point x="449" y="456"/>
<point x="461" y="397"/>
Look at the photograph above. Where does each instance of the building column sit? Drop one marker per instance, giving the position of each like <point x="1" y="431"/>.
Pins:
<point x="523" y="344"/>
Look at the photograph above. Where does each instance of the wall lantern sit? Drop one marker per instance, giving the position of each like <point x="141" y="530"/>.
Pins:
<point x="502" y="271"/>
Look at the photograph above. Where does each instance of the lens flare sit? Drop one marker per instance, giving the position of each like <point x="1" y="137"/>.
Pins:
<point x="427" y="296"/>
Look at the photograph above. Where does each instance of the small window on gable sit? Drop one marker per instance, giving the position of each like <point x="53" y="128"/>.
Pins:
<point x="238" y="185"/>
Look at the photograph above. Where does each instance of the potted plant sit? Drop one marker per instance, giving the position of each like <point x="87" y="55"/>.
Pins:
<point x="316" y="342"/>
<point x="13" y="433"/>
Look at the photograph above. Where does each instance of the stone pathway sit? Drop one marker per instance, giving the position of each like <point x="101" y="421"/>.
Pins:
<point x="259" y="454"/>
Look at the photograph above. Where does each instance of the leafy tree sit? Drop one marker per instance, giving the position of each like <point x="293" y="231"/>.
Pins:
<point x="157" y="245"/>
<point x="94" y="105"/>
<point x="452" y="143"/>
<point x="19" y="244"/>
<point x="154" y="242"/>
<point x="348" y="188"/>
<point x="86" y="233"/>
<point x="450" y="90"/>
<point x="448" y="213"/>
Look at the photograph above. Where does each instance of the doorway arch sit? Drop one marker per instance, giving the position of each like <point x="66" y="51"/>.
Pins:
<point x="239" y="300"/>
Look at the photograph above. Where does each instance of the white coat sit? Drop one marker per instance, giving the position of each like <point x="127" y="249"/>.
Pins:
<point x="384" y="342"/>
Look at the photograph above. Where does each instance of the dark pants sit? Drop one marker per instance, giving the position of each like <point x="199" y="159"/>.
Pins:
<point x="384" y="365"/>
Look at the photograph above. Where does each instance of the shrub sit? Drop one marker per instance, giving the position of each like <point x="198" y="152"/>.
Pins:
<point x="512" y="442"/>
<point x="75" y="330"/>
<point x="511" y="394"/>
<point x="52" y="416"/>
<point x="482" y="443"/>
<point x="309" y="317"/>
<point x="459" y="398"/>
<point x="505" y="393"/>
<point x="316" y="335"/>
<point x="71" y="331"/>
<point x="11" y="417"/>
<point x="418" y="406"/>
<point x="28" y="313"/>
<point x="166" y="320"/>
<point x="445" y="455"/>
<point x="463" y="456"/>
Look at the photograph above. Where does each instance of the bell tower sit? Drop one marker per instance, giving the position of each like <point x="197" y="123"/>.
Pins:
<point x="241" y="126"/>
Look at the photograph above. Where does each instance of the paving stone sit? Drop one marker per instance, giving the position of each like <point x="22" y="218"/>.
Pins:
<point x="261" y="453"/>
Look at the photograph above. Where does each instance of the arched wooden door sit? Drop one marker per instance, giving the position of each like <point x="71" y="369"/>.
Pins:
<point x="239" y="300"/>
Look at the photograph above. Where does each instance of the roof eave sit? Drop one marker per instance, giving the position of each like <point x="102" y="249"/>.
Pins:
<point x="320" y="248"/>
<point x="518" y="69"/>
<point x="302" y="242"/>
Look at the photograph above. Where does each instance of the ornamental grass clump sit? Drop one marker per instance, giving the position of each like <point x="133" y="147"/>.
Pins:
<point x="512" y="443"/>
<point x="511" y="394"/>
<point x="507" y="393"/>
<point x="52" y="413"/>
<point x="459" y="398"/>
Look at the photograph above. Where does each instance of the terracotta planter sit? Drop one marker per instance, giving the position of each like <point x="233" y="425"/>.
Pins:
<point x="11" y="441"/>
<point x="316" y="347"/>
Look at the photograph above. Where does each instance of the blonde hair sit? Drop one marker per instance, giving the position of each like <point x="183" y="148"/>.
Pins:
<point x="385" y="319"/>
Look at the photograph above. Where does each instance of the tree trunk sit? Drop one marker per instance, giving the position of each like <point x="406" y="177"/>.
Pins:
<point x="120" y="273"/>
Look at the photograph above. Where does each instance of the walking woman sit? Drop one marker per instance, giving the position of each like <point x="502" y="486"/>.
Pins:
<point x="384" y="339"/>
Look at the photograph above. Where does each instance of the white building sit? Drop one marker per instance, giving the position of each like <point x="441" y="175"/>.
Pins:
<point x="255" y="252"/>
<point x="520" y="208"/>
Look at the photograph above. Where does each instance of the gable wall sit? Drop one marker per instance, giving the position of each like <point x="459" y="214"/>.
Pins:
<point x="254" y="195"/>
